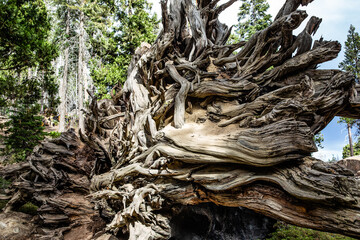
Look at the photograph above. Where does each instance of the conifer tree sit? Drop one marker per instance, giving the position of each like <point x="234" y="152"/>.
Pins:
<point x="81" y="63"/>
<point x="346" y="150"/>
<point x="132" y="24"/>
<point x="24" y="30"/>
<point x="349" y="124"/>
<point x="351" y="62"/>
<point x="63" y="16"/>
<point x="80" y="27"/>
<point x="26" y="76"/>
<point x="252" y="17"/>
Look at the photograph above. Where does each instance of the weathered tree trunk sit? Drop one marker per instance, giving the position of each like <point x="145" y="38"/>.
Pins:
<point x="64" y="80"/>
<point x="86" y="86"/>
<point x="56" y="178"/>
<point x="350" y="140"/>
<point x="43" y="94"/>
<point x="81" y="69"/>
<point x="196" y="124"/>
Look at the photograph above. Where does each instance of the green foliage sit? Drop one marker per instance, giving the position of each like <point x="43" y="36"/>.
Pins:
<point x="24" y="26"/>
<point x="349" y="121"/>
<point x="24" y="131"/>
<point x="346" y="150"/>
<point x="289" y="232"/>
<point x="319" y="139"/>
<point x="252" y="18"/>
<point x="107" y="75"/>
<point x="351" y="62"/>
<point x="4" y="184"/>
<point x="136" y="25"/>
<point x="21" y="97"/>
<point x="16" y="89"/>
<point x="54" y="134"/>
<point x="133" y="24"/>
<point x="333" y="159"/>
<point x="49" y="85"/>
<point x="25" y="72"/>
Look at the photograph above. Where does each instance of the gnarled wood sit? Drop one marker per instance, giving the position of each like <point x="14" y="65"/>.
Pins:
<point x="56" y="178"/>
<point x="196" y="124"/>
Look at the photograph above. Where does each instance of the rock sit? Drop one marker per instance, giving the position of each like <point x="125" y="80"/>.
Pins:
<point x="352" y="163"/>
<point x="15" y="226"/>
<point x="3" y="225"/>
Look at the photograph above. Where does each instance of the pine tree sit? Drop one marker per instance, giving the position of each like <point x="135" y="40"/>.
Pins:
<point x="252" y="18"/>
<point x="64" y="79"/>
<point x="133" y="24"/>
<point x="319" y="139"/>
<point x="349" y="124"/>
<point x="351" y="62"/>
<point x="24" y="130"/>
<point x="346" y="150"/>
<point x="81" y="63"/>
<point x="83" y="33"/>
<point x="26" y="75"/>
<point x="23" y="30"/>
<point x="65" y="36"/>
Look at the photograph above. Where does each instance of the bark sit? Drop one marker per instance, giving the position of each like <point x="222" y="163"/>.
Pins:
<point x="43" y="94"/>
<point x="81" y="69"/>
<point x="56" y="178"/>
<point x="195" y="124"/>
<point x="350" y="140"/>
<point x="64" y="80"/>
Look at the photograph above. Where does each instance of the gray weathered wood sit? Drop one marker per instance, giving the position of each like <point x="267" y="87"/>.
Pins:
<point x="195" y="124"/>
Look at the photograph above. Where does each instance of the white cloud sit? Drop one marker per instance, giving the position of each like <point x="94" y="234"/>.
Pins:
<point x="326" y="154"/>
<point x="275" y="6"/>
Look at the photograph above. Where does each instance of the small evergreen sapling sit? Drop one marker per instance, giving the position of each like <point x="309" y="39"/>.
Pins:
<point x="25" y="131"/>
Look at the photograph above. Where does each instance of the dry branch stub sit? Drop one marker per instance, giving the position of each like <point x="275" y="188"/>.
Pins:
<point x="196" y="124"/>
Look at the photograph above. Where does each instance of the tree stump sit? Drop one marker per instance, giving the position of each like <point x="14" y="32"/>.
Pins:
<point x="198" y="123"/>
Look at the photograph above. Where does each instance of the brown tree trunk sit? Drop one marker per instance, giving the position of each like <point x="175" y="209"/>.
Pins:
<point x="195" y="124"/>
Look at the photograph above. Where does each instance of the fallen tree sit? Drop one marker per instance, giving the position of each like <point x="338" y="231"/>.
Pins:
<point x="197" y="123"/>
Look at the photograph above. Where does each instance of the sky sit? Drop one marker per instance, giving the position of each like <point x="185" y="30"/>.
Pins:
<point x="337" y="17"/>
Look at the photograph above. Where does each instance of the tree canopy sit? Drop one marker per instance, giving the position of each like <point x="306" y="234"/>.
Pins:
<point x="351" y="62"/>
<point x="252" y="17"/>
<point x="132" y="24"/>
<point x="26" y="75"/>
<point x="24" y="32"/>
